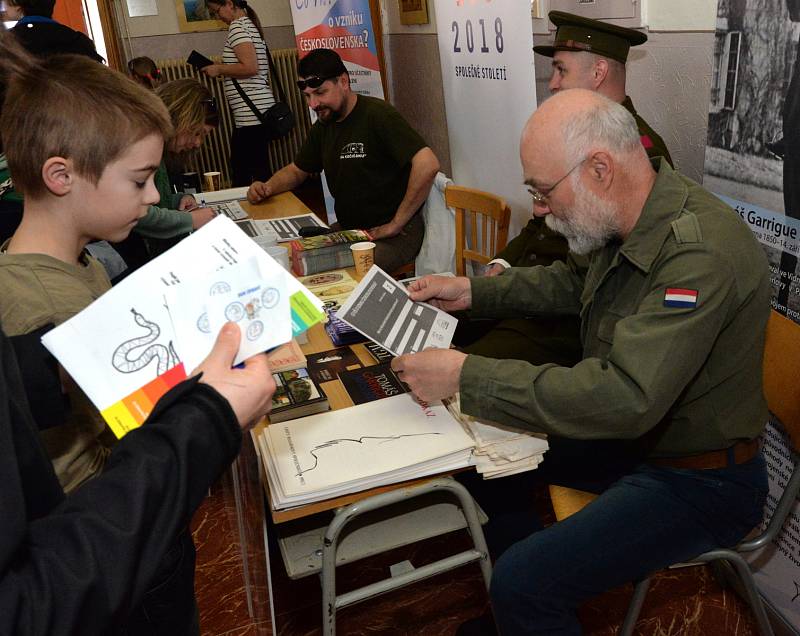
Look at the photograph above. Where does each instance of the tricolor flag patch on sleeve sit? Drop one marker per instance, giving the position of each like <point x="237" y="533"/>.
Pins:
<point x="676" y="297"/>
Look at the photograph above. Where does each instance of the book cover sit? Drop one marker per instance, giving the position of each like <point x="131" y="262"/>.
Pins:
<point x="324" y="252"/>
<point x="340" y="332"/>
<point x="372" y="383"/>
<point x="328" y="365"/>
<point x="296" y="395"/>
<point x="286" y="357"/>
<point x="378" y="352"/>
<point x="198" y="60"/>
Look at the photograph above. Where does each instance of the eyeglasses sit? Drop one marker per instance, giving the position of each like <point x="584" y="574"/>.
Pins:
<point x="541" y="197"/>
<point x="315" y="81"/>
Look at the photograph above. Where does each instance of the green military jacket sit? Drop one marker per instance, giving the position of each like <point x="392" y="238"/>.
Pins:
<point x="537" y="244"/>
<point x="680" y="379"/>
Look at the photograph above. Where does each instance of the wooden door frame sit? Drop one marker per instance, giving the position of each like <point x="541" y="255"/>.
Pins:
<point x="377" y="29"/>
<point x="108" y="23"/>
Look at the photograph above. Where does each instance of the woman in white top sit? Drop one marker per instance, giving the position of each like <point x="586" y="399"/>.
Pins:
<point x="244" y="60"/>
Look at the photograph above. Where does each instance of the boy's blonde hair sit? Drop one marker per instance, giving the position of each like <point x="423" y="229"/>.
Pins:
<point x="190" y="104"/>
<point x="70" y="106"/>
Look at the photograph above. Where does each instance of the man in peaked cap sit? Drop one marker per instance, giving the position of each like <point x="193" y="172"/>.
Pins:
<point x="586" y="54"/>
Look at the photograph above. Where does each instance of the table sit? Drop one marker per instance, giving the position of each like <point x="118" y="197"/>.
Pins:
<point x="447" y="516"/>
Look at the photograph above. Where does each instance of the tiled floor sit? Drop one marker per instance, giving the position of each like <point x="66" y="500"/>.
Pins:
<point x="686" y="601"/>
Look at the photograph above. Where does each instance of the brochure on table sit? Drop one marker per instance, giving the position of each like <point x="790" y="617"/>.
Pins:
<point x="287" y="228"/>
<point x="124" y="349"/>
<point x="381" y="309"/>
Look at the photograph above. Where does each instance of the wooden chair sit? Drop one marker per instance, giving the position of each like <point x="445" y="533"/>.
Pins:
<point x="782" y="390"/>
<point x="487" y="215"/>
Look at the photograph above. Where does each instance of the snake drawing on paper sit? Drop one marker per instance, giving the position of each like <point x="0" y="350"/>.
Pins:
<point x="165" y="355"/>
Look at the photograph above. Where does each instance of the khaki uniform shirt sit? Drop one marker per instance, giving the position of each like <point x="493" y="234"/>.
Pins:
<point x="682" y="380"/>
<point x="37" y="290"/>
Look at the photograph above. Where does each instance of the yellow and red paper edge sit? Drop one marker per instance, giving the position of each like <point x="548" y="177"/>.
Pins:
<point x="131" y="411"/>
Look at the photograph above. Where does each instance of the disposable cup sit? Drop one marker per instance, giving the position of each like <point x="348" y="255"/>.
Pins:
<point x="363" y="256"/>
<point x="211" y="181"/>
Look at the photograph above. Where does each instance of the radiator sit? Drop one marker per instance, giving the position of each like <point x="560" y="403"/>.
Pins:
<point x="213" y="154"/>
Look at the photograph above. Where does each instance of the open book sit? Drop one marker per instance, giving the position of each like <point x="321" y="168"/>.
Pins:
<point x="339" y="452"/>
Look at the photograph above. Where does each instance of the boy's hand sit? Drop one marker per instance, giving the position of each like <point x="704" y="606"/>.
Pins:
<point x="201" y="216"/>
<point x="248" y="390"/>
<point x="187" y="202"/>
<point x="258" y="191"/>
<point x="444" y="292"/>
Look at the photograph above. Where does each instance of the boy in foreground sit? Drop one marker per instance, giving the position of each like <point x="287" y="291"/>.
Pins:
<point x="83" y="143"/>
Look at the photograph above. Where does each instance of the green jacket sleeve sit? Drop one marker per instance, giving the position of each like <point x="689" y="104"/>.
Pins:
<point x="164" y="223"/>
<point x="169" y="199"/>
<point x="650" y="356"/>
<point x="528" y="291"/>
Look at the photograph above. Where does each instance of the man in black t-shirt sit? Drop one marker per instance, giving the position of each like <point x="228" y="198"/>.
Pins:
<point x="378" y="168"/>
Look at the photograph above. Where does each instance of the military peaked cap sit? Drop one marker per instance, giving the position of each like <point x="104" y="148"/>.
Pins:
<point x="576" y="33"/>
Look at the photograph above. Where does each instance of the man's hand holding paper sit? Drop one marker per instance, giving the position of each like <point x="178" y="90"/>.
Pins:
<point x="432" y="374"/>
<point x="445" y="292"/>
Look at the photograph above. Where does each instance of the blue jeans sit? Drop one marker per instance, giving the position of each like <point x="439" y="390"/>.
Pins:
<point x="645" y="521"/>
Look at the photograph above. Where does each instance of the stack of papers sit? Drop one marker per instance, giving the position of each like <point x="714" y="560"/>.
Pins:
<point x="500" y="450"/>
<point x="374" y="444"/>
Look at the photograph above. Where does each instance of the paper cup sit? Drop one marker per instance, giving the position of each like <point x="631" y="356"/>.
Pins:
<point x="280" y="254"/>
<point x="363" y="256"/>
<point x="211" y="181"/>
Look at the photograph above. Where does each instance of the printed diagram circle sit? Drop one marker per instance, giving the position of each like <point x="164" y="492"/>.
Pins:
<point x="203" y="324"/>
<point x="324" y="279"/>
<point x="270" y="297"/>
<point x="255" y="329"/>
<point x="219" y="288"/>
<point x="234" y="312"/>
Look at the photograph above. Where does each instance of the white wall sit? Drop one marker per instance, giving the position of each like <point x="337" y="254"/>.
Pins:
<point x="679" y="15"/>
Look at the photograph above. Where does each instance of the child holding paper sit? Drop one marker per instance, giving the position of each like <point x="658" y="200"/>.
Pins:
<point x="83" y="143"/>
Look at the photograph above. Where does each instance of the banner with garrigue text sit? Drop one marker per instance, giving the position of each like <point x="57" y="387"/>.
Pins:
<point x="486" y="52"/>
<point x="752" y="162"/>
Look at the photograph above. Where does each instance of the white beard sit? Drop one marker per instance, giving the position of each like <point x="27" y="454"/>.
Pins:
<point x="590" y="224"/>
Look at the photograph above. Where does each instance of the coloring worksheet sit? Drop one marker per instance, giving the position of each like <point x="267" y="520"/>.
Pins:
<point x="123" y="350"/>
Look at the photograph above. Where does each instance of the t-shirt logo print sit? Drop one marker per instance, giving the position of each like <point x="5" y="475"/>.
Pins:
<point x="353" y="150"/>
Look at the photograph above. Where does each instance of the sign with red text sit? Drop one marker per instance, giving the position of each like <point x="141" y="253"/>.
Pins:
<point x="346" y="27"/>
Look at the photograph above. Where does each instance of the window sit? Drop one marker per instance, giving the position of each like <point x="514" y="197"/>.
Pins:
<point x="724" y="81"/>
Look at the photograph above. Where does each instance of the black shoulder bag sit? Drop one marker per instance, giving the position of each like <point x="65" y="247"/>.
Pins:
<point x="278" y="118"/>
